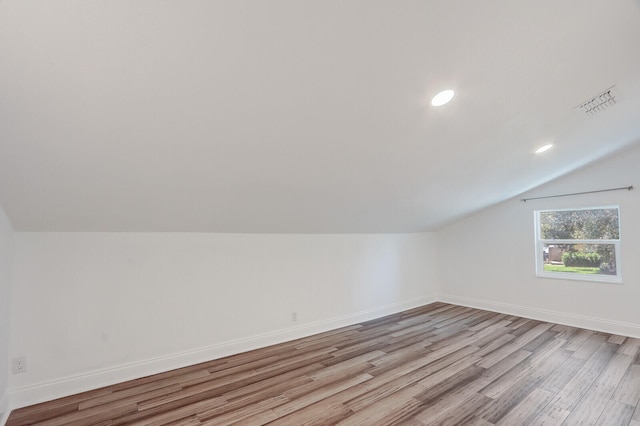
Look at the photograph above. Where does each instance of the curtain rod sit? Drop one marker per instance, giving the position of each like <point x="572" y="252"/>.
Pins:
<point x="628" y="188"/>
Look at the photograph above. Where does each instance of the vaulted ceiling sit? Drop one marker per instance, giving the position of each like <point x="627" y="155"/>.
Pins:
<point x="301" y="116"/>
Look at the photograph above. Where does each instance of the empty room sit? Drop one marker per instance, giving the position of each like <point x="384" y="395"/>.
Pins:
<point x="319" y="212"/>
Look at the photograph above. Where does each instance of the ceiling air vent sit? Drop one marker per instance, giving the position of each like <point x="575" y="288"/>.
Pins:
<point x="599" y="102"/>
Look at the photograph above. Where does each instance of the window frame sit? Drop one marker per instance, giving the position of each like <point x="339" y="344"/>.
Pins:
<point x="539" y="249"/>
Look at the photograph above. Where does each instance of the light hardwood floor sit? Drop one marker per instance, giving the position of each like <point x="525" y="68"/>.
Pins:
<point x="437" y="364"/>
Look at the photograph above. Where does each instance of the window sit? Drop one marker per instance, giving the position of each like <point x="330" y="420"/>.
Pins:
<point x="579" y="244"/>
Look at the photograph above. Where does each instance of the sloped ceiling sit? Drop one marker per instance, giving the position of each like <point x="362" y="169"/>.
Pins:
<point x="300" y="116"/>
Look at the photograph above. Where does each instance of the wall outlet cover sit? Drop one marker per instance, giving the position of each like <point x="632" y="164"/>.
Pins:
<point x="19" y="364"/>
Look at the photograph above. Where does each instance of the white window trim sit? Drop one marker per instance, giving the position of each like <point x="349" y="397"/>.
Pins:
<point x="540" y="272"/>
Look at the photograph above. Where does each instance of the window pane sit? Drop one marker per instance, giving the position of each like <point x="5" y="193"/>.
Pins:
<point x="580" y="258"/>
<point x="595" y="224"/>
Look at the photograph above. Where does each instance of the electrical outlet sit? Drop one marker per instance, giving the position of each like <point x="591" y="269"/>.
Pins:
<point x="294" y="317"/>
<point x="19" y="364"/>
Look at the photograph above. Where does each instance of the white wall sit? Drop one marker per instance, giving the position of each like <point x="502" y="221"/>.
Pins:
<point x="6" y="253"/>
<point x="89" y="309"/>
<point x="95" y="308"/>
<point x="487" y="260"/>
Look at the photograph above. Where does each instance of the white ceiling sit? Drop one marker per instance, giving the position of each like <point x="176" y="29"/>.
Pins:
<point x="300" y="116"/>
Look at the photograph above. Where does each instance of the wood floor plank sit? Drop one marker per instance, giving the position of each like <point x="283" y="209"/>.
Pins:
<point x="397" y="379"/>
<point x="628" y="391"/>
<point x="617" y="339"/>
<point x="578" y="339"/>
<point x="476" y="421"/>
<point x="176" y="413"/>
<point x="551" y="415"/>
<point x="463" y="412"/>
<point x="589" y="346"/>
<point x="315" y="414"/>
<point x="579" y="384"/>
<point x="438" y="364"/>
<point x="319" y="394"/>
<point x="494" y="343"/>
<point x="440" y="376"/>
<point x="143" y="392"/>
<point x="55" y="408"/>
<point x="630" y="347"/>
<point x="392" y="358"/>
<point x="513" y="346"/>
<point x="387" y="410"/>
<point x="498" y="408"/>
<point x="534" y="367"/>
<point x="94" y="415"/>
<point x="268" y="384"/>
<point x="452" y="402"/>
<point x="446" y="385"/>
<point x="260" y="409"/>
<point x="615" y="414"/>
<point x="564" y="373"/>
<point x="250" y="401"/>
<point x="591" y="406"/>
<point x="636" y="414"/>
<point x="494" y="373"/>
<point x="492" y="319"/>
<point x="36" y="414"/>
<point x="528" y="409"/>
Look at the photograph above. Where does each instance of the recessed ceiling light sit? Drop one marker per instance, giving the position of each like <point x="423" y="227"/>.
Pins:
<point x="544" y="148"/>
<point x="443" y="97"/>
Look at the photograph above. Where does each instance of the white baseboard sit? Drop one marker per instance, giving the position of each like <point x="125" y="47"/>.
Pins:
<point x="5" y="408"/>
<point x="46" y="391"/>
<point x="580" y="321"/>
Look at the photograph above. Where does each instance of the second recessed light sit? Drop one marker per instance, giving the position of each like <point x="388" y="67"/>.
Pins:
<point x="443" y="97"/>
<point x="544" y="148"/>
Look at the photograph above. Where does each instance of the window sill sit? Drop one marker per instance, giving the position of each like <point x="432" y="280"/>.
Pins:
<point x="594" y="278"/>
